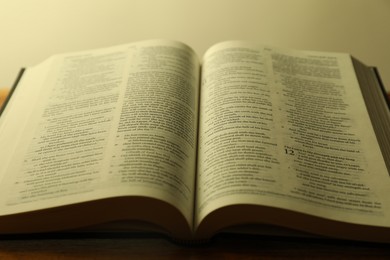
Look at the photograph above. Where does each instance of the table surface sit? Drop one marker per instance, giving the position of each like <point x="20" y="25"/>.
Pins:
<point x="219" y="247"/>
<point x="33" y="30"/>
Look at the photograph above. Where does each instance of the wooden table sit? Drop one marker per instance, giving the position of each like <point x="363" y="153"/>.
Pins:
<point x="154" y="247"/>
<point x="3" y="95"/>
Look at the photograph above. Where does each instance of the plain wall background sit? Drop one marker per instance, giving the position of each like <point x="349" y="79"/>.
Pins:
<point x="30" y="31"/>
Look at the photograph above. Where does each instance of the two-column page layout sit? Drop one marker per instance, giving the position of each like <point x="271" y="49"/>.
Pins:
<point x="146" y="132"/>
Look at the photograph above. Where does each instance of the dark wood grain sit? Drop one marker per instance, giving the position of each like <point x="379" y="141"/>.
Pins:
<point x="3" y="95"/>
<point x="161" y="248"/>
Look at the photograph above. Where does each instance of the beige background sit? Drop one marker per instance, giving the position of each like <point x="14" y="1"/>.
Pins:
<point x="30" y="31"/>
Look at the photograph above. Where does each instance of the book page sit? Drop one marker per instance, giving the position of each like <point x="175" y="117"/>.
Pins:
<point x="287" y="129"/>
<point x="112" y="122"/>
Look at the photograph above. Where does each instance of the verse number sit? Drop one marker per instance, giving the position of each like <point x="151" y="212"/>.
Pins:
<point x="289" y="151"/>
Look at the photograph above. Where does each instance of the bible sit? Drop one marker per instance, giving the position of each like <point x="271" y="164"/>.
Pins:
<point x="148" y="135"/>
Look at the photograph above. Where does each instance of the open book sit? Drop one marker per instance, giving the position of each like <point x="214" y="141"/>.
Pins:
<point x="145" y="132"/>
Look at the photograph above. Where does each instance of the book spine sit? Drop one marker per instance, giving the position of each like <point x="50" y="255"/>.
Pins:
<point x="385" y="94"/>
<point x="17" y="80"/>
